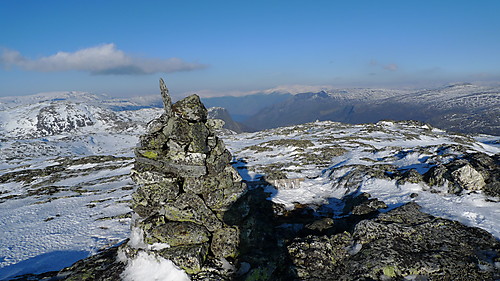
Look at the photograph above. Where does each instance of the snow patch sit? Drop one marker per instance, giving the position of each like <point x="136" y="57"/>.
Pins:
<point x="146" y="267"/>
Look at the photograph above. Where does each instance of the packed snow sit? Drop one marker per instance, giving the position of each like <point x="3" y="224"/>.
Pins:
<point x="146" y="267"/>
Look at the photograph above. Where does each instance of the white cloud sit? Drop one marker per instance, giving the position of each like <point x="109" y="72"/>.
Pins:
<point x="102" y="59"/>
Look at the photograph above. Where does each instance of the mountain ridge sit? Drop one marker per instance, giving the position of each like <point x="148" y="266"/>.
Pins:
<point x="464" y="108"/>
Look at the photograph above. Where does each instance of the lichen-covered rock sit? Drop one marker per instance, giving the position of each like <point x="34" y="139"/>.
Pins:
<point x="316" y="257"/>
<point x="402" y="244"/>
<point x="178" y="234"/>
<point x="190" y="109"/>
<point x="189" y="257"/>
<point x="225" y="242"/>
<point x="191" y="208"/>
<point x="103" y="266"/>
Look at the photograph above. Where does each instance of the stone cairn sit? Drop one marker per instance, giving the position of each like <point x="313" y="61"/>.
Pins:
<point x="185" y="187"/>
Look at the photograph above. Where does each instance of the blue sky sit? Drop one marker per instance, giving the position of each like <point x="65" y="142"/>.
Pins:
<point x="224" y="47"/>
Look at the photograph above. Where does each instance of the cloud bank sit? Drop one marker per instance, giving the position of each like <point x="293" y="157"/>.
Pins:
<point x="99" y="60"/>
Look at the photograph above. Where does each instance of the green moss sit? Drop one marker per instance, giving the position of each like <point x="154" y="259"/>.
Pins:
<point x="389" y="270"/>
<point x="150" y="154"/>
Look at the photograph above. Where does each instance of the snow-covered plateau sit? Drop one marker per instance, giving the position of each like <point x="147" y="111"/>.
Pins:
<point x="65" y="162"/>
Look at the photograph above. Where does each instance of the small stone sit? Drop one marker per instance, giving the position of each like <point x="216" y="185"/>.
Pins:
<point x="217" y="163"/>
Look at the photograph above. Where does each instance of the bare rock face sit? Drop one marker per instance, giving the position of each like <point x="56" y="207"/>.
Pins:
<point x="185" y="186"/>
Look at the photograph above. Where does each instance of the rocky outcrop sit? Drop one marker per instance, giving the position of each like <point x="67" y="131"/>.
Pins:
<point x="472" y="172"/>
<point x="403" y="244"/>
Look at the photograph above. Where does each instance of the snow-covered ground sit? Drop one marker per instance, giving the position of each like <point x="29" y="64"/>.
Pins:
<point x="404" y="145"/>
<point x="56" y="209"/>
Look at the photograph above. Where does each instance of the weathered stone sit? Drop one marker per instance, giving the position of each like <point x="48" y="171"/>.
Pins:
<point x="190" y="258"/>
<point x="185" y="158"/>
<point x="234" y="174"/>
<point x="190" y="108"/>
<point x="178" y="234"/>
<point x="194" y="185"/>
<point x="438" y="176"/>
<point x="316" y="257"/>
<point x="167" y="101"/>
<point x="411" y="176"/>
<point x="225" y="242"/>
<point x="468" y="178"/>
<point x="214" y="124"/>
<point x="475" y="171"/>
<point x="191" y="208"/>
<point x="369" y="206"/>
<point x="174" y="147"/>
<point x="321" y="224"/>
<point x="212" y="141"/>
<point x="198" y="135"/>
<point x="177" y="129"/>
<point x="155" y="187"/>
<point x="217" y="163"/>
<point x="157" y="124"/>
<point x="354" y="199"/>
<point x="103" y="266"/>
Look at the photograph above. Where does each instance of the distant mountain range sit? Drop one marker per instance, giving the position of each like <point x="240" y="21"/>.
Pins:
<point x="464" y="108"/>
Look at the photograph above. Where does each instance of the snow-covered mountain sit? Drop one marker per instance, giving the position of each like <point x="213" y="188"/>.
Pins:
<point x="465" y="108"/>
<point x="65" y="185"/>
<point x="75" y="113"/>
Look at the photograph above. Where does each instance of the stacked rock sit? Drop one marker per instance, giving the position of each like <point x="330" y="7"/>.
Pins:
<point x="185" y="187"/>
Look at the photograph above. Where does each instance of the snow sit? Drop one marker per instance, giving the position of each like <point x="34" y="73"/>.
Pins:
<point x="63" y="229"/>
<point x="147" y="267"/>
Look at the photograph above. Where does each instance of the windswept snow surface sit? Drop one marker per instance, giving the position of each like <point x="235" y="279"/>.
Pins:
<point x="56" y="210"/>
<point x="299" y="150"/>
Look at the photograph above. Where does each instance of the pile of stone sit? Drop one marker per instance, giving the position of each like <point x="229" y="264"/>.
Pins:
<point x="185" y="187"/>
